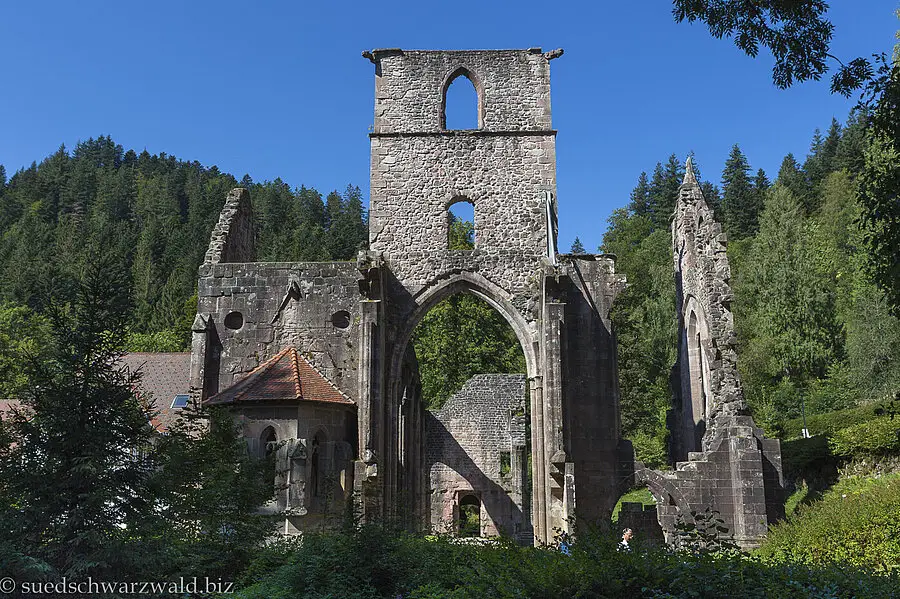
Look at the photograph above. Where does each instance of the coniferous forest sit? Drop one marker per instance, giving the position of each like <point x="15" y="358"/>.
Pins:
<point x="815" y="331"/>
<point x="152" y="215"/>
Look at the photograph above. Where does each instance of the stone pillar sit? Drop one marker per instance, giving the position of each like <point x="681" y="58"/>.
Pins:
<point x="367" y="481"/>
<point x="553" y="453"/>
<point x="538" y="463"/>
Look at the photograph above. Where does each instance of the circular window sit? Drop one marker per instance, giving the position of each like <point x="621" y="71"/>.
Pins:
<point x="341" y="320"/>
<point x="234" y="320"/>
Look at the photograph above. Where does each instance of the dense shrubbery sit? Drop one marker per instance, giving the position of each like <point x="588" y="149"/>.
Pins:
<point x="831" y="422"/>
<point x="856" y="523"/>
<point x="377" y="562"/>
<point x="877" y="437"/>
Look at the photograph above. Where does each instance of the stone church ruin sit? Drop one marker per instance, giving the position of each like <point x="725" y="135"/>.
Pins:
<point x="315" y="359"/>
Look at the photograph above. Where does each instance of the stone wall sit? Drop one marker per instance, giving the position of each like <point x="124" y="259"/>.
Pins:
<point x="304" y="433"/>
<point x="233" y="238"/>
<point x="737" y="471"/>
<point x="709" y="384"/>
<point x="505" y="168"/>
<point x="313" y="306"/>
<point x="514" y="86"/>
<point x="590" y="420"/>
<point x="464" y="441"/>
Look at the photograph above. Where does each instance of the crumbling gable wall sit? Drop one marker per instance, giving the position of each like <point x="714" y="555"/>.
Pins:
<point x="465" y="443"/>
<point x="723" y="461"/>
<point x="709" y="385"/>
<point x="249" y="311"/>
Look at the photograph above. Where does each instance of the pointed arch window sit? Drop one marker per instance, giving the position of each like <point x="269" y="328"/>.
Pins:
<point x="462" y="101"/>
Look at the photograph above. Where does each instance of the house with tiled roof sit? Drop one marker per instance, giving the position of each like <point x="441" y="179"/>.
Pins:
<point x="287" y="406"/>
<point x="164" y="383"/>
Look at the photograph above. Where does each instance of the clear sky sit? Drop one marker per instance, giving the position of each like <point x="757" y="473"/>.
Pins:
<point x="279" y="89"/>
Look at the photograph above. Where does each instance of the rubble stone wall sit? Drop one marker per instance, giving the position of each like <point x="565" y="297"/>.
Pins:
<point x="464" y="441"/>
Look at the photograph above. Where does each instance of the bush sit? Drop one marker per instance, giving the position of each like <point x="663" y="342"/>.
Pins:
<point x="374" y="562"/>
<point x="856" y="523"/>
<point x="878" y="437"/>
<point x="831" y="422"/>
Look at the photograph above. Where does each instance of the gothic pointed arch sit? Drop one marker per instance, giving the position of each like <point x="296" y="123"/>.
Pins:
<point x="452" y="76"/>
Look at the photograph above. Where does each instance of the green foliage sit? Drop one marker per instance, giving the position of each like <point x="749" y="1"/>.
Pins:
<point x="786" y="308"/>
<point x="162" y="341"/>
<point x="89" y="489"/>
<point x="857" y="524"/>
<point x="879" y="185"/>
<point x="462" y="234"/>
<point x="22" y="333"/>
<point x="831" y="422"/>
<point x="641" y="495"/>
<point x="577" y="247"/>
<point x="646" y="330"/>
<point x="876" y="437"/>
<point x="458" y="338"/>
<point x="73" y="465"/>
<point x="740" y="199"/>
<point x="373" y="562"/>
<point x="703" y="534"/>
<point x="797" y="33"/>
<point x="153" y="216"/>
<point x="207" y="491"/>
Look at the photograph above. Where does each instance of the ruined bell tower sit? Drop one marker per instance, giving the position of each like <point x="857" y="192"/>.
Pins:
<point x="506" y="168"/>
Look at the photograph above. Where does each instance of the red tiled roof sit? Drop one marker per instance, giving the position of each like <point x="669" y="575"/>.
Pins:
<point x="163" y="376"/>
<point x="287" y="376"/>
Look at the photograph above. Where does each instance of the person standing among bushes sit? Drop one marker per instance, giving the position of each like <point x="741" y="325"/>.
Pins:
<point x="626" y="536"/>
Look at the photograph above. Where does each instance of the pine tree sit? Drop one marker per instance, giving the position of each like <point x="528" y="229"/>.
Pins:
<point x="739" y="199"/>
<point x="791" y="176"/>
<point x="640" y="196"/>
<point x="577" y="247"/>
<point x="77" y="474"/>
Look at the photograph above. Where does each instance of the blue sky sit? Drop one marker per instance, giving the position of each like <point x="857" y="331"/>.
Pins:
<point x="279" y="89"/>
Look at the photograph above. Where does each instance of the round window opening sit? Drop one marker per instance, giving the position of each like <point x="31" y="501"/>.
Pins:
<point x="234" y="320"/>
<point x="341" y="320"/>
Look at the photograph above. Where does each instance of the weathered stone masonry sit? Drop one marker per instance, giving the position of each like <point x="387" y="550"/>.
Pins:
<point x="476" y="445"/>
<point x="352" y="322"/>
<point x="722" y="459"/>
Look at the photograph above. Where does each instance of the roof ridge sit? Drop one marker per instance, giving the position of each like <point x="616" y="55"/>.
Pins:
<point x="296" y="367"/>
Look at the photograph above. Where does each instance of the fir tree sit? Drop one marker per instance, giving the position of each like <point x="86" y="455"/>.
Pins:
<point x="791" y="176"/>
<point x="577" y="247"/>
<point x="664" y="190"/>
<point x="739" y="199"/>
<point x="76" y="473"/>
<point x="640" y="196"/>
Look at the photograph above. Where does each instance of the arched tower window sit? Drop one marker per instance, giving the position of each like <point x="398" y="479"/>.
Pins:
<point x="462" y="101"/>
<point x="461" y="224"/>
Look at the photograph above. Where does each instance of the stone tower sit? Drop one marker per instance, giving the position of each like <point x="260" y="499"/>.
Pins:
<point x="506" y="168"/>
